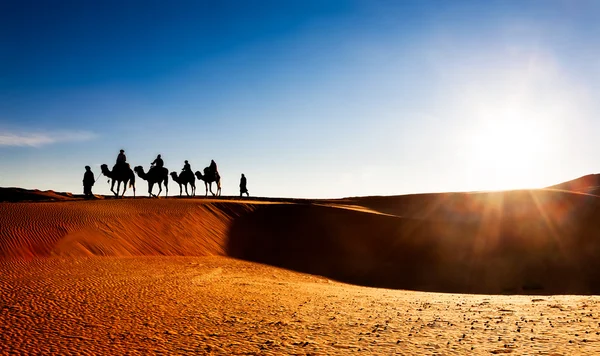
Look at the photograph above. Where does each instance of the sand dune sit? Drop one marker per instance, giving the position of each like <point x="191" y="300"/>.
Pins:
<point x="156" y="275"/>
<point x="586" y="184"/>
<point x="20" y="194"/>
<point x="540" y="241"/>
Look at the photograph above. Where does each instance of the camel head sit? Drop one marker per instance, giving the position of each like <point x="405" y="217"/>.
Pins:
<point x="139" y="170"/>
<point x="104" y="169"/>
<point x="174" y="175"/>
<point x="199" y="175"/>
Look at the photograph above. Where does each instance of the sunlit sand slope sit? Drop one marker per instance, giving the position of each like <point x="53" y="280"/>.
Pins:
<point x="129" y="227"/>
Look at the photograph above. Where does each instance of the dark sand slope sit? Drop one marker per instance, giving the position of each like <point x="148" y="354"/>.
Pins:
<point x="523" y="242"/>
<point x="531" y="242"/>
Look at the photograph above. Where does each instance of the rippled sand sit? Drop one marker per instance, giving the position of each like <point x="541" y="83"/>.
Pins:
<point x="218" y="305"/>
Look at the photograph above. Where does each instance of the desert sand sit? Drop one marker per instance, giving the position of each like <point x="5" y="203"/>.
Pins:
<point x="450" y="274"/>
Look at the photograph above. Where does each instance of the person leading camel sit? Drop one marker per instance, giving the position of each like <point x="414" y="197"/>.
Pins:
<point x="88" y="182"/>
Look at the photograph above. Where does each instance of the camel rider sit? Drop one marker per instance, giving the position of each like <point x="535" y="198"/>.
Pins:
<point x="121" y="160"/>
<point x="158" y="162"/>
<point x="186" y="168"/>
<point x="213" y="168"/>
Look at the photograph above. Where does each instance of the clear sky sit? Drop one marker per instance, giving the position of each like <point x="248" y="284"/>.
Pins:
<point x="307" y="98"/>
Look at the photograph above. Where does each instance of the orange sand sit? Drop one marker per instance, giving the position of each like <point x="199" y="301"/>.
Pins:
<point x="153" y="275"/>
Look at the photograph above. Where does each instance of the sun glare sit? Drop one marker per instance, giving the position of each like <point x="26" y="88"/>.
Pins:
<point x="506" y="151"/>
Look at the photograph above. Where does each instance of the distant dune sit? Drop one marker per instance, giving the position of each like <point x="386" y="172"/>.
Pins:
<point x="20" y="194"/>
<point x="515" y="242"/>
<point x="587" y="184"/>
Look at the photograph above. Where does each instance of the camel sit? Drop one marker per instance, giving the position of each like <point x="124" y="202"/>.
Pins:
<point x="183" y="179"/>
<point x="154" y="175"/>
<point x="208" y="181"/>
<point x="121" y="175"/>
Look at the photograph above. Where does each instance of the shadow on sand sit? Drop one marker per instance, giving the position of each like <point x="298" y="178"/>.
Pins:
<point x="520" y="242"/>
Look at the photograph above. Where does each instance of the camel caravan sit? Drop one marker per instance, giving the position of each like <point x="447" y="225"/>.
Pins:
<point x="158" y="174"/>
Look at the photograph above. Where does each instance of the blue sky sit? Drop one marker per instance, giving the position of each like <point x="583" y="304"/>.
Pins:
<point x="307" y="98"/>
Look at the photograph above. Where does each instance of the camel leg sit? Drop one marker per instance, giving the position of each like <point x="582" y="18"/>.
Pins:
<point x="210" y="186"/>
<point x="181" y="190"/>
<point x="205" y="189"/>
<point x="112" y="188"/>
<point x="159" y="189"/>
<point x="150" y="186"/>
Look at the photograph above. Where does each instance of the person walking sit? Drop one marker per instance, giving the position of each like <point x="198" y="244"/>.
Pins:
<point x="243" y="188"/>
<point x="88" y="182"/>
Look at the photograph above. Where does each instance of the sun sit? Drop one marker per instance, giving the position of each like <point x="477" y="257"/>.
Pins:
<point x="506" y="153"/>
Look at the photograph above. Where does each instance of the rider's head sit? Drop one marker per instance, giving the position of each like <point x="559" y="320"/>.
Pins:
<point x="186" y="161"/>
<point x="158" y="156"/>
<point x="122" y="151"/>
<point x="87" y="168"/>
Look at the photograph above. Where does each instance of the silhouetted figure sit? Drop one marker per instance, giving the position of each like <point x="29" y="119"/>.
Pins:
<point x="156" y="174"/>
<point x="243" y="188"/>
<point x="213" y="168"/>
<point x="186" y="174"/>
<point x="125" y="175"/>
<point x="183" y="179"/>
<point x="186" y="167"/>
<point x="121" y="158"/>
<point x="88" y="182"/>
<point x="209" y="179"/>
<point x="121" y="166"/>
<point x="157" y="163"/>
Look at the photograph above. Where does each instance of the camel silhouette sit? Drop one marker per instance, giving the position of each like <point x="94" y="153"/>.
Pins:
<point x="119" y="175"/>
<point x="155" y="175"/>
<point x="208" y="181"/>
<point x="184" y="179"/>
